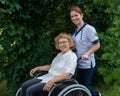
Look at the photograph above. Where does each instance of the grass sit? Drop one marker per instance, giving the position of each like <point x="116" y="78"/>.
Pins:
<point x="3" y="89"/>
<point x="107" y="90"/>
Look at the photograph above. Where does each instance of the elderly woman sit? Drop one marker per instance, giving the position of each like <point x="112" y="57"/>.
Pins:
<point x="61" y="67"/>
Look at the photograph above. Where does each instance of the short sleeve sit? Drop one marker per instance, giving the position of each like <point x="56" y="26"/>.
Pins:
<point x="92" y="34"/>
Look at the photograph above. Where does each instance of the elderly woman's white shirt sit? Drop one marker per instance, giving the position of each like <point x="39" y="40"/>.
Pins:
<point x="62" y="63"/>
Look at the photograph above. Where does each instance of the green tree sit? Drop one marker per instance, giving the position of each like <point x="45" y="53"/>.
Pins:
<point x="111" y="46"/>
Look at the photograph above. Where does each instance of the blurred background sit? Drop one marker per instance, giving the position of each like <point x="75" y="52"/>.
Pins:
<point x="28" y="29"/>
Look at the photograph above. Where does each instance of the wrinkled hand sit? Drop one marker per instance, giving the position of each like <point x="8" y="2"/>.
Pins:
<point x="33" y="71"/>
<point x="48" y="85"/>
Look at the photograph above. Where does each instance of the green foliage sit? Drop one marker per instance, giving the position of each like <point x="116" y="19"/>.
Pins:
<point x="108" y="90"/>
<point x="111" y="68"/>
<point x="3" y="89"/>
<point x="112" y="53"/>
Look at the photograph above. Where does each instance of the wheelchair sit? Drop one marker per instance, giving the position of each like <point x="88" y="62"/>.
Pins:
<point x="67" y="87"/>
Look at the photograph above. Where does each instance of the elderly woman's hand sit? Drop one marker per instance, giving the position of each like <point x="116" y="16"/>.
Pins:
<point x="33" y="71"/>
<point x="48" y="85"/>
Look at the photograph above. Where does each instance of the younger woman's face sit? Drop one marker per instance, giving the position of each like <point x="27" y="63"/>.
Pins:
<point x="76" y="18"/>
<point x="63" y="44"/>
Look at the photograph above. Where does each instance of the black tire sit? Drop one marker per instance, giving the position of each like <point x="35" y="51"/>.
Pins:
<point x="75" y="90"/>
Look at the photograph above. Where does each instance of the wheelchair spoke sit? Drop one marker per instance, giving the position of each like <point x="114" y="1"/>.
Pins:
<point x="75" y="90"/>
<point x="76" y="93"/>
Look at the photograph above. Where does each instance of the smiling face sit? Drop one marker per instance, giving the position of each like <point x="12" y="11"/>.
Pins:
<point x="76" y="18"/>
<point x="63" y="44"/>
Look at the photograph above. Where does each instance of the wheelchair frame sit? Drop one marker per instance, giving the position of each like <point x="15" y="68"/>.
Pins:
<point x="67" y="87"/>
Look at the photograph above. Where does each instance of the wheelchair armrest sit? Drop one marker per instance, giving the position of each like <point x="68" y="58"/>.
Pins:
<point x="40" y="73"/>
<point x="66" y="81"/>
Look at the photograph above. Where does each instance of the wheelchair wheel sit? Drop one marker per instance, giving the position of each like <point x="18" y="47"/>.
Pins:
<point x="75" y="90"/>
<point x="18" y="92"/>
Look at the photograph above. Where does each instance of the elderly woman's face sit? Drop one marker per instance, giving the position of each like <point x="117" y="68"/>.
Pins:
<point x="63" y="44"/>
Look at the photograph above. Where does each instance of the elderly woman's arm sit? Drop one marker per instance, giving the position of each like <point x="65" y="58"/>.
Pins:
<point x="45" y="68"/>
<point x="50" y="83"/>
<point x="61" y="77"/>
